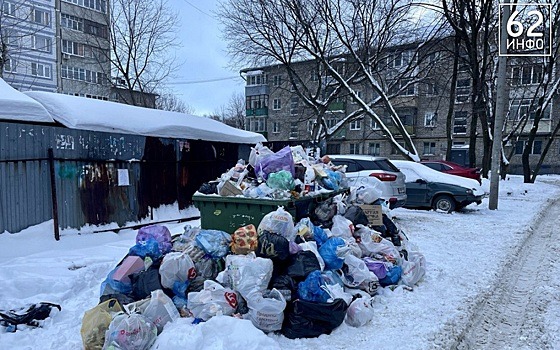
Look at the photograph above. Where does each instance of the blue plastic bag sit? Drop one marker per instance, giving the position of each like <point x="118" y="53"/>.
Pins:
<point x="215" y="243"/>
<point x="146" y="248"/>
<point x="392" y="277"/>
<point x="116" y="286"/>
<point x="319" y="235"/>
<point x="328" y="253"/>
<point x="310" y="288"/>
<point x="332" y="181"/>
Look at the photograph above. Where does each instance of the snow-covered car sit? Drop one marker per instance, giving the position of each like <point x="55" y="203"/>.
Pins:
<point x="428" y="188"/>
<point x="376" y="172"/>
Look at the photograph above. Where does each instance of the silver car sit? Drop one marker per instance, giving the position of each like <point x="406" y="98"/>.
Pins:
<point x="377" y="172"/>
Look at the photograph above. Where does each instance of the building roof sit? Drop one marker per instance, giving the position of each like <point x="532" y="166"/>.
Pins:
<point x="96" y="115"/>
<point x="15" y="105"/>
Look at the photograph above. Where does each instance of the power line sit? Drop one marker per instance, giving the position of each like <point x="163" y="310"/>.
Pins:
<point x="199" y="10"/>
<point x="203" y="81"/>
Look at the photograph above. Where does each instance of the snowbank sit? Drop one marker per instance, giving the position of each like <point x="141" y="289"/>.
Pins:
<point x="15" y="105"/>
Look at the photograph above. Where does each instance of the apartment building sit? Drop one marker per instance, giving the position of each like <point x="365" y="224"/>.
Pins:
<point x="421" y="100"/>
<point x="27" y="31"/>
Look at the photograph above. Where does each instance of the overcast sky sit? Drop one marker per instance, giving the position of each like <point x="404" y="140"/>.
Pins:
<point x="204" y="81"/>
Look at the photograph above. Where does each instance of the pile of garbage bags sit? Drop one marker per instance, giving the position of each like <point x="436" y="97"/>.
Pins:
<point x="300" y="279"/>
<point x="288" y="173"/>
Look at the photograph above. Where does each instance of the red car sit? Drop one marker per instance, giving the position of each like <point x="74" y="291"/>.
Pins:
<point x="454" y="169"/>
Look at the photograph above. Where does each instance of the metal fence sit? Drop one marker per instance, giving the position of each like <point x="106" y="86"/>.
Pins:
<point x="91" y="177"/>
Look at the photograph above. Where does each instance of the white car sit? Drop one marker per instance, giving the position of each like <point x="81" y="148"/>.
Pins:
<point x="376" y="172"/>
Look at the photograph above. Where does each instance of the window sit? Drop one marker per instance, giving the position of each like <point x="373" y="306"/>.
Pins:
<point x="358" y="94"/>
<point x="310" y="125"/>
<point x="394" y="150"/>
<point x="460" y="123"/>
<point x="10" y="66"/>
<point x="9" y="8"/>
<point x="515" y="75"/>
<point x="74" y="73"/>
<point x="429" y="148"/>
<point x="277" y="80"/>
<point x="258" y="124"/>
<point x="275" y="127"/>
<point x="403" y="87"/>
<point x="375" y="125"/>
<point x="40" y="70"/>
<point x="41" y="17"/>
<point x="95" y="29"/>
<point x="331" y="122"/>
<point x="333" y="148"/>
<point x="276" y="104"/>
<point x="41" y="43"/>
<point x="256" y="79"/>
<point x="10" y="37"/>
<point x="531" y="74"/>
<point x="463" y="90"/>
<point x="354" y="148"/>
<point x="72" y="48"/>
<point x="72" y="22"/>
<point x="256" y="102"/>
<point x="356" y="124"/>
<point x="398" y="59"/>
<point x="520" y="146"/>
<point x="431" y="89"/>
<point x="99" y="5"/>
<point x="374" y="149"/>
<point x="293" y="130"/>
<point x="294" y="102"/>
<point x="430" y="119"/>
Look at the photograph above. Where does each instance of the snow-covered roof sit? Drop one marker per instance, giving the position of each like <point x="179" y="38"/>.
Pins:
<point x="96" y="115"/>
<point x="15" y="105"/>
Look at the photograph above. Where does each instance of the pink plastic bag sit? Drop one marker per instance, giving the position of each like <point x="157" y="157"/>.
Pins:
<point x="281" y="160"/>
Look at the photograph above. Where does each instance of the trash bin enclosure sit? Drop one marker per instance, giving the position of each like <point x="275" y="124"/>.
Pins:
<point x="229" y="213"/>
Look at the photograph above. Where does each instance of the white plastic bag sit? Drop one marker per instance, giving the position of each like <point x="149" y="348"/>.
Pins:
<point x="414" y="269"/>
<point x="342" y="227"/>
<point x="212" y="301"/>
<point x="176" y="266"/>
<point x="267" y="314"/>
<point x="336" y="291"/>
<point x="130" y="332"/>
<point x="279" y="222"/>
<point x="245" y="273"/>
<point x="360" y="312"/>
<point x="372" y="244"/>
<point x="160" y="310"/>
<point x="258" y="152"/>
<point x="357" y="271"/>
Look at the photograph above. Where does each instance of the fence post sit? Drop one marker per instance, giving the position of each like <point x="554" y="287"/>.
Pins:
<point x="53" y="194"/>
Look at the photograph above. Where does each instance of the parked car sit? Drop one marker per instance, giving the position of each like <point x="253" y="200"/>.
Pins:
<point x="428" y="188"/>
<point x="454" y="169"/>
<point x="377" y="172"/>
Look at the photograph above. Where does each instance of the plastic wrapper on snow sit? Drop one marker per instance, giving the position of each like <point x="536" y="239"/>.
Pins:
<point x="413" y="269"/>
<point x="245" y="273"/>
<point x="266" y="313"/>
<point x="130" y="332"/>
<point x="212" y="301"/>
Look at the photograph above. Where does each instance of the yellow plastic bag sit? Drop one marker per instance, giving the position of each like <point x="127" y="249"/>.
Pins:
<point x="96" y="322"/>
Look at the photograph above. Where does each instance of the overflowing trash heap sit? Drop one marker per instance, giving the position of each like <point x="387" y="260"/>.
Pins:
<point x="301" y="278"/>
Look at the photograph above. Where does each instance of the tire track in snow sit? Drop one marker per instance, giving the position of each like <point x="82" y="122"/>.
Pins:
<point x="511" y="316"/>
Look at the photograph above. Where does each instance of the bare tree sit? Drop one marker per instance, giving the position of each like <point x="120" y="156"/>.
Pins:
<point x="347" y="45"/>
<point x="168" y="101"/>
<point x="142" y="37"/>
<point x="235" y="111"/>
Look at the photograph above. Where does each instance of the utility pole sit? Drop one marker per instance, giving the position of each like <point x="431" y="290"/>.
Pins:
<point x="501" y="99"/>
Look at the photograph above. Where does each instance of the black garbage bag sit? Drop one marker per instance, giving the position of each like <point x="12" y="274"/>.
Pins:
<point x="302" y="264"/>
<point x="389" y="230"/>
<point x="305" y="319"/>
<point x="285" y="285"/>
<point x="272" y="246"/>
<point x="122" y="298"/>
<point x="30" y="315"/>
<point x="356" y="214"/>
<point x="145" y="282"/>
<point x="209" y="187"/>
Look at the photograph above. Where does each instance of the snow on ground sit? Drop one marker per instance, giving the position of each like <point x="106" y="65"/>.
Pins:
<point x="465" y="253"/>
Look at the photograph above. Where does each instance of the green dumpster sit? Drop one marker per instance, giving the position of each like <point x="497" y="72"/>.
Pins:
<point x="229" y="213"/>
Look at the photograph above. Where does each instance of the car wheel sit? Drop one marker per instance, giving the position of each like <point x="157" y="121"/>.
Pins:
<point x="444" y="203"/>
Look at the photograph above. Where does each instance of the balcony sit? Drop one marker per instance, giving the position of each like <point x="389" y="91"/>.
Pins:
<point x="337" y="106"/>
<point x="256" y="112"/>
<point x="393" y="129"/>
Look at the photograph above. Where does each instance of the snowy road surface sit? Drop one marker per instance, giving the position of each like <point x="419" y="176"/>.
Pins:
<point x="511" y="315"/>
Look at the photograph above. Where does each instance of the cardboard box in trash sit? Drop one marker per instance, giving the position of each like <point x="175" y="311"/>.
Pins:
<point x="229" y="189"/>
<point x="374" y="214"/>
